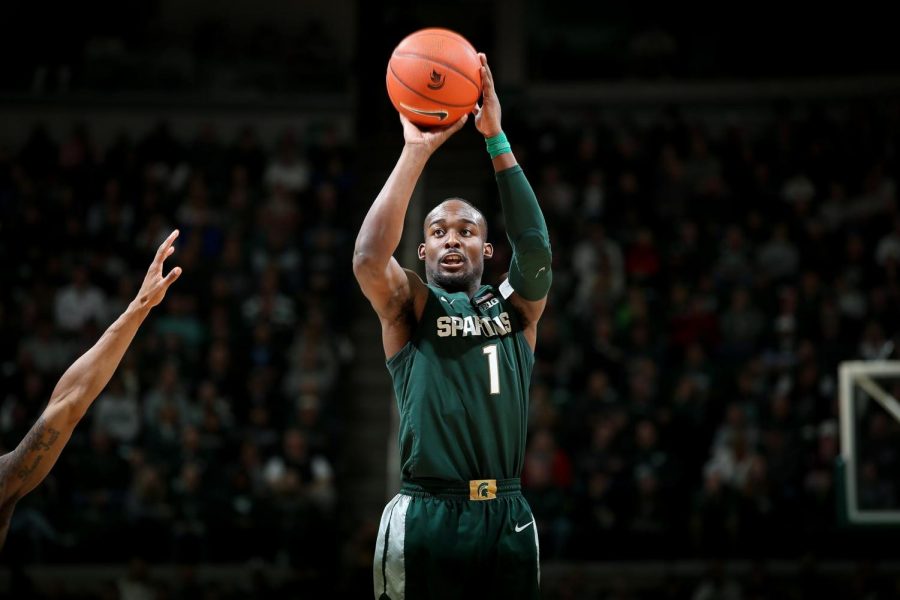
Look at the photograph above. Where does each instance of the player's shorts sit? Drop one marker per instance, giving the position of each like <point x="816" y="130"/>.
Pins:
<point x="474" y="539"/>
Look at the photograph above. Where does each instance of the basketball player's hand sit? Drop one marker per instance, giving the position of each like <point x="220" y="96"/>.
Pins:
<point x="428" y="140"/>
<point x="487" y="115"/>
<point x="153" y="290"/>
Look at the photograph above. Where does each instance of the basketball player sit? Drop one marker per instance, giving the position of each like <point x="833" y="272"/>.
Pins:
<point x="25" y="467"/>
<point x="460" y="354"/>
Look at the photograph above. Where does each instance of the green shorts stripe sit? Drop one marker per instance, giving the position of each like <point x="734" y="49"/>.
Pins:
<point x="390" y="563"/>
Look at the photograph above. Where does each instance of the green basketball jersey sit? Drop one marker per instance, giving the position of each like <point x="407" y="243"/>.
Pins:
<point x="462" y="388"/>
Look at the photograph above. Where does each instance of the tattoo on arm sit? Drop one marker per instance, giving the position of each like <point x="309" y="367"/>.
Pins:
<point x="37" y="442"/>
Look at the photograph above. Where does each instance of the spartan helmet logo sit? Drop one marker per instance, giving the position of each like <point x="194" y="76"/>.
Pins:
<point x="483" y="489"/>
<point x="437" y="80"/>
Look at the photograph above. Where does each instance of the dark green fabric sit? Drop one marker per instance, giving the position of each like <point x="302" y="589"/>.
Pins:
<point x="459" y="549"/>
<point x="452" y="428"/>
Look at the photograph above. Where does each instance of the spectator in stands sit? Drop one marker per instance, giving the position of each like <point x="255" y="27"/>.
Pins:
<point x="288" y="169"/>
<point x="117" y="412"/>
<point x="79" y="303"/>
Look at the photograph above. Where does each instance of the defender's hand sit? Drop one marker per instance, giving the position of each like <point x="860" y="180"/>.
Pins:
<point x="154" y="288"/>
<point x="487" y="116"/>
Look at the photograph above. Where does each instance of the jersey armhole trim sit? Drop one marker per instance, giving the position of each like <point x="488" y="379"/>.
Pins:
<point x="400" y="354"/>
<point x="523" y="344"/>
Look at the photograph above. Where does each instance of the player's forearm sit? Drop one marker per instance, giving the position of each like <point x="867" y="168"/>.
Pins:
<point x="85" y="379"/>
<point x="382" y="228"/>
<point x="526" y="229"/>
<point x="5" y="519"/>
<point x="504" y="161"/>
<point x="26" y="466"/>
<point x="521" y="210"/>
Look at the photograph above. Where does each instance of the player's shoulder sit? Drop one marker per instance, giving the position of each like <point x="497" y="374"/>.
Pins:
<point x="527" y="313"/>
<point x="413" y="277"/>
<point x="419" y="293"/>
<point x="417" y="287"/>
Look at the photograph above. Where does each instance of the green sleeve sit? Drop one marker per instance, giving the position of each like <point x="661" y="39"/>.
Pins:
<point x="529" y="271"/>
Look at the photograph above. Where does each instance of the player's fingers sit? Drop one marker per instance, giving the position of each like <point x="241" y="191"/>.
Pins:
<point x="451" y="129"/>
<point x="166" y="246"/>
<point x="459" y="124"/>
<point x="487" y="82"/>
<point x="174" y="274"/>
<point x="485" y="67"/>
<point x="407" y="124"/>
<point x="410" y="129"/>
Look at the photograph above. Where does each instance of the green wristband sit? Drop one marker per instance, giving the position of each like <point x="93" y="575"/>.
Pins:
<point x="497" y="145"/>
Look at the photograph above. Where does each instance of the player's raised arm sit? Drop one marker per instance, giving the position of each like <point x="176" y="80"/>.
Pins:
<point x="25" y="467"/>
<point x="388" y="286"/>
<point x="529" y="270"/>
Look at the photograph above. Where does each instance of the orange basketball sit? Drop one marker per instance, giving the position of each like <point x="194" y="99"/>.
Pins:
<point x="434" y="77"/>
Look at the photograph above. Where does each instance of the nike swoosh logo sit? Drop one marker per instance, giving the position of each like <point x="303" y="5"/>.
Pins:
<point x="541" y="270"/>
<point x="525" y="526"/>
<point x="440" y="115"/>
<point x="450" y="302"/>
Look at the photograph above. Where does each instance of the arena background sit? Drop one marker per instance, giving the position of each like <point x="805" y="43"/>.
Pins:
<point x="720" y="187"/>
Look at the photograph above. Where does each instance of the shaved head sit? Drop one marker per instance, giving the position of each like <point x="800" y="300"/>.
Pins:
<point x="479" y="220"/>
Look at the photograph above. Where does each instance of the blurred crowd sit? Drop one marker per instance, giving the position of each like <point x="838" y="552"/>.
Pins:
<point x="214" y="441"/>
<point x="708" y="280"/>
<point x="709" y="277"/>
<point x="142" y="47"/>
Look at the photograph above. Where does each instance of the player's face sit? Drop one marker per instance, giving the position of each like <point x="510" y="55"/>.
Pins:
<point x="455" y="246"/>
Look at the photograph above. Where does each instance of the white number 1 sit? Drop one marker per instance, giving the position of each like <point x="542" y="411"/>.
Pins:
<point x="493" y="367"/>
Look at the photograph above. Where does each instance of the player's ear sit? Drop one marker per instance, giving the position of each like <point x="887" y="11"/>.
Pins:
<point x="488" y="251"/>
<point x="421" y="251"/>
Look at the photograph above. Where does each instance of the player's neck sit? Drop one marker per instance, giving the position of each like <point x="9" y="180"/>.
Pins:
<point x="469" y="290"/>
